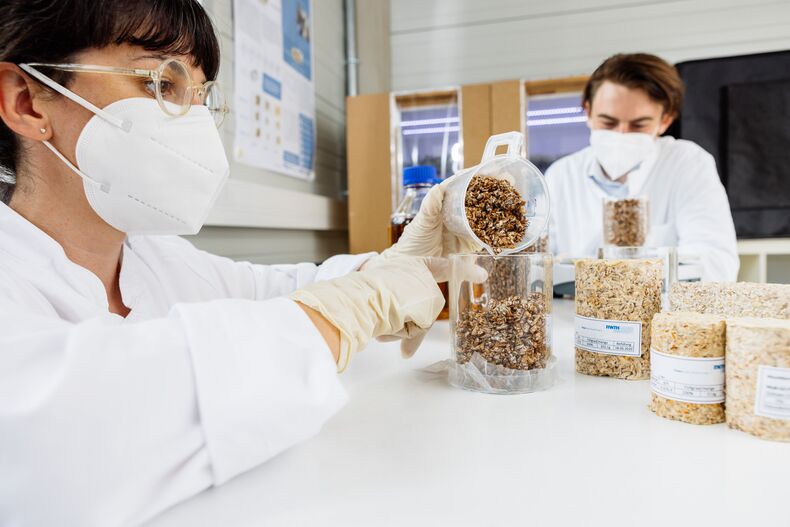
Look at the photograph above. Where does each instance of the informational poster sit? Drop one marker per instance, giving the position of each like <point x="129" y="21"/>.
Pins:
<point x="274" y="101"/>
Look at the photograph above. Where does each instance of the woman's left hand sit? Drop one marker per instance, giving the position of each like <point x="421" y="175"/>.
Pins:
<point x="427" y="236"/>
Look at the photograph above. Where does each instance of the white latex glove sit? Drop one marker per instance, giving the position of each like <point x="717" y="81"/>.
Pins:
<point x="397" y="297"/>
<point x="426" y="234"/>
<point x="466" y="271"/>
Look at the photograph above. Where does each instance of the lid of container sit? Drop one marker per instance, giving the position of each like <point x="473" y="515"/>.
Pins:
<point x="419" y="175"/>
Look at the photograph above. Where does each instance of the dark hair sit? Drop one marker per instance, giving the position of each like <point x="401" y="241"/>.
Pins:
<point x="55" y="30"/>
<point x="648" y="72"/>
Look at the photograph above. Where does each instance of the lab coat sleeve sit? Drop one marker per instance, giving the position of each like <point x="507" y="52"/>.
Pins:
<point x="260" y="282"/>
<point x="552" y="181"/>
<point x="296" y="276"/>
<point x="107" y="422"/>
<point x="704" y="222"/>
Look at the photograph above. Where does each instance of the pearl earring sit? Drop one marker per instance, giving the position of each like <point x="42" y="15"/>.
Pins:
<point x="42" y="130"/>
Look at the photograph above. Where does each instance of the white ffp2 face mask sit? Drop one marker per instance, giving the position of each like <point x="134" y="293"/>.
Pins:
<point x="145" y="172"/>
<point x="619" y="153"/>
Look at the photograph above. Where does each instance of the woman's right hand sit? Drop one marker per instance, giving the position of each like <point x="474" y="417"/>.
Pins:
<point x="392" y="297"/>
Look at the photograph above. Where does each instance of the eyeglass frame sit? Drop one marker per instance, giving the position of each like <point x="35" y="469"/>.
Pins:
<point x="154" y="75"/>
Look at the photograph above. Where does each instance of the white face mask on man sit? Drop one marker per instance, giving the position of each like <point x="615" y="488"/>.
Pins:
<point x="145" y="172"/>
<point x="619" y="153"/>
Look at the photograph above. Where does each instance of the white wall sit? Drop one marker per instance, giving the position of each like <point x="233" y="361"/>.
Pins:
<point x="373" y="46"/>
<point x="447" y="42"/>
<point x="266" y="217"/>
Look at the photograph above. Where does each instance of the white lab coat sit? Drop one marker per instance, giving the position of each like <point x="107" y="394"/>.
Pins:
<point x="688" y="206"/>
<point x="107" y="421"/>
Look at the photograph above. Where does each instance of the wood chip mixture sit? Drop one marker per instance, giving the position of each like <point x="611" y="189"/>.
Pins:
<point x="740" y="299"/>
<point x="617" y="290"/>
<point x="625" y="222"/>
<point x="507" y="276"/>
<point x="509" y="332"/>
<point x="758" y="377"/>
<point x="687" y="367"/>
<point x="540" y="246"/>
<point x="495" y="212"/>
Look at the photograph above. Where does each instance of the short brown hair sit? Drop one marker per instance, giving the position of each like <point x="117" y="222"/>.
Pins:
<point x="648" y="72"/>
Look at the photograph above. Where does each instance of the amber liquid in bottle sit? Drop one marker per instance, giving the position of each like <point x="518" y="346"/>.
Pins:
<point x="396" y="231"/>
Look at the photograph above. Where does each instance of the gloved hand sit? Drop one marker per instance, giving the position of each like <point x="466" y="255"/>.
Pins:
<point x="465" y="270"/>
<point x="397" y="297"/>
<point x="426" y="234"/>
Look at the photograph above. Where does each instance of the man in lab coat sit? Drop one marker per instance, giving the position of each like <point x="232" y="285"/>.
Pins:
<point x="630" y="100"/>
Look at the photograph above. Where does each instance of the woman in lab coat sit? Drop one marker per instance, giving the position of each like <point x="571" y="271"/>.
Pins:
<point x="135" y="370"/>
<point x="630" y="101"/>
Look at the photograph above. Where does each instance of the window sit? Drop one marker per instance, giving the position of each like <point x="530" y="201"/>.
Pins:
<point x="556" y="127"/>
<point x="426" y="131"/>
<point x="555" y="122"/>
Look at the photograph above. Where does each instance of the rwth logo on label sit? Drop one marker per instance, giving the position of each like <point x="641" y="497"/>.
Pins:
<point x="619" y="329"/>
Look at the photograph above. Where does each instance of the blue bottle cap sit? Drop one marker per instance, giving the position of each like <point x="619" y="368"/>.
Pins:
<point x="420" y="175"/>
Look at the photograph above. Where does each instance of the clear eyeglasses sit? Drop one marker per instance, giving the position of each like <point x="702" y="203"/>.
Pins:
<point x="170" y="83"/>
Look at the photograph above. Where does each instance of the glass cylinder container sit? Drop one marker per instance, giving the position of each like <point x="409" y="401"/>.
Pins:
<point x="668" y="255"/>
<point x="541" y="245"/>
<point x="625" y="221"/>
<point x="687" y="367"/>
<point x="757" y="369"/>
<point x="616" y="300"/>
<point x="500" y="316"/>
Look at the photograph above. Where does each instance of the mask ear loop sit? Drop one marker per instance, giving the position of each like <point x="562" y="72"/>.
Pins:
<point x="123" y="124"/>
<point x="104" y="187"/>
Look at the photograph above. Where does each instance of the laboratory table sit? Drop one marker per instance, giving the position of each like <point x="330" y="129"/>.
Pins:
<point x="409" y="449"/>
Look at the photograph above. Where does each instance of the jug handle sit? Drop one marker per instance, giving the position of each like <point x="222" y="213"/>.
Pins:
<point x="513" y="140"/>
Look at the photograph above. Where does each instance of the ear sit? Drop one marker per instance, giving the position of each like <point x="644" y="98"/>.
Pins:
<point x="666" y="120"/>
<point x="588" y="110"/>
<point x="19" y="105"/>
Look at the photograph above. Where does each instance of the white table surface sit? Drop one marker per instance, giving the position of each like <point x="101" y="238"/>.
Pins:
<point x="409" y="449"/>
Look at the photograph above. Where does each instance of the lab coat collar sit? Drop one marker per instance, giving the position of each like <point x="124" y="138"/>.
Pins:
<point x="22" y="240"/>
<point x="133" y="290"/>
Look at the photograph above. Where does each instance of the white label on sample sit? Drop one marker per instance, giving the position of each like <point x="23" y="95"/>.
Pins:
<point x="773" y="393"/>
<point x="612" y="337"/>
<point x="687" y="379"/>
